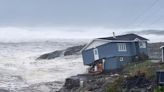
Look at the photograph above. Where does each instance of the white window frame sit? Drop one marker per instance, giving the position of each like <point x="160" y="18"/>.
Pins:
<point x="121" y="58"/>
<point x="142" y="44"/>
<point x="122" y="47"/>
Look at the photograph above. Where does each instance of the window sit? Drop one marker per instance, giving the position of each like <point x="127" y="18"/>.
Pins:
<point x="142" y="44"/>
<point x="121" y="46"/>
<point x="121" y="59"/>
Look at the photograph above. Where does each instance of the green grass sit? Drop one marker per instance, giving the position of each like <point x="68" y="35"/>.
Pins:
<point x="159" y="89"/>
<point x="114" y="87"/>
<point x="146" y="67"/>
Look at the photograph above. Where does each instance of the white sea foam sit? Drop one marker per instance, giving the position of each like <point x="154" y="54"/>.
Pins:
<point x="18" y="67"/>
<point x="29" y="34"/>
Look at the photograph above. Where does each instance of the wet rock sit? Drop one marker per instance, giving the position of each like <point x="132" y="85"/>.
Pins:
<point x="73" y="50"/>
<point x="72" y="82"/>
<point x="66" y="52"/>
<point x="51" y="55"/>
<point x="91" y="83"/>
<point x="4" y="90"/>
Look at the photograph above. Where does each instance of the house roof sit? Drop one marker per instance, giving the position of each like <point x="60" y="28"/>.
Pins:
<point x="120" y="38"/>
<point x="162" y="47"/>
<point x="127" y="37"/>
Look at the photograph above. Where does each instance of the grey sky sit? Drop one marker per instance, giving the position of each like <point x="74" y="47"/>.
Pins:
<point x="106" y="13"/>
<point x="22" y="20"/>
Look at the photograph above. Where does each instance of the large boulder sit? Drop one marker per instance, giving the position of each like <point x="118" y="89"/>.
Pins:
<point x="51" y="55"/>
<point x="66" y="52"/>
<point x="4" y="90"/>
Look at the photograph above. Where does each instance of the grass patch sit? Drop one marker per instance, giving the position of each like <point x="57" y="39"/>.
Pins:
<point x="146" y="67"/>
<point x="115" y="87"/>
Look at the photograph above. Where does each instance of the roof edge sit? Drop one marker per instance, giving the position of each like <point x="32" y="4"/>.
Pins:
<point x="97" y="39"/>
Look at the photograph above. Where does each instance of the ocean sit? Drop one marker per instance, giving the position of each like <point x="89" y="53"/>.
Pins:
<point x="19" y="67"/>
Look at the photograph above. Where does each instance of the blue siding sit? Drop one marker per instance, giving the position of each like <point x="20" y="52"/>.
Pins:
<point x="137" y="48"/>
<point x="133" y="49"/>
<point x="88" y="56"/>
<point x="113" y="63"/>
<point x="111" y="50"/>
<point x="144" y="50"/>
<point x="110" y="53"/>
<point x="124" y="62"/>
<point x="108" y="50"/>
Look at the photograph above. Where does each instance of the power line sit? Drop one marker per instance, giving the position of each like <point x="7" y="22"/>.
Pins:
<point x="157" y="20"/>
<point x="148" y="17"/>
<point x="144" y="13"/>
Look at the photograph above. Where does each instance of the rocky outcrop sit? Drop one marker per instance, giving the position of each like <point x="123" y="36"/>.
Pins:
<point x="66" y="52"/>
<point x="87" y="83"/>
<point x="4" y="90"/>
<point x="51" y="55"/>
<point x="73" y="50"/>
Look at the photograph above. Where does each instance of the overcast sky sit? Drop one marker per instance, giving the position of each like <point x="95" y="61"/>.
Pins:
<point x="104" y="16"/>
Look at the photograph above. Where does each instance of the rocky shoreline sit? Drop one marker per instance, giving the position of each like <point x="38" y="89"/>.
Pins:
<point x="87" y="83"/>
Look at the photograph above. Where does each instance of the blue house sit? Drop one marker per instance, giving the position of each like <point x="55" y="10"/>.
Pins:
<point x="115" y="52"/>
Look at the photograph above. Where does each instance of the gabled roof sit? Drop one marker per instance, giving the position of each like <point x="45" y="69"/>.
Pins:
<point x="120" y="38"/>
<point x="127" y="37"/>
<point x="161" y="47"/>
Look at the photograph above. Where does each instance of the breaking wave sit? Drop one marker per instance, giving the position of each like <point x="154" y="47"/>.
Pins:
<point x="18" y="67"/>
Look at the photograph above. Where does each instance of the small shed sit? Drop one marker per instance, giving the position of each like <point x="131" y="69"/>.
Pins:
<point x="160" y="77"/>
<point x="162" y="50"/>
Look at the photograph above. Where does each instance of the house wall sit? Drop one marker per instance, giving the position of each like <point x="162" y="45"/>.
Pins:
<point x="111" y="50"/>
<point x="114" y="63"/>
<point x="88" y="56"/>
<point x="111" y="64"/>
<point x="144" y="50"/>
<point x="108" y="50"/>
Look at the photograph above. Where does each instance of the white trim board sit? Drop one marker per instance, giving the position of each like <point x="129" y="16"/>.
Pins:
<point x="95" y="43"/>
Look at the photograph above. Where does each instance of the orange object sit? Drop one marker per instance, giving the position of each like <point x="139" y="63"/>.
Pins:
<point x="100" y="67"/>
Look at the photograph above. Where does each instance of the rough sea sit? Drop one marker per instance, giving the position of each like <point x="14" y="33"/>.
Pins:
<point x="20" y="69"/>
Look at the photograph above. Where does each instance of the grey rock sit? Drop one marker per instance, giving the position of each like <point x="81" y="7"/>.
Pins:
<point x="91" y="83"/>
<point x="73" y="50"/>
<point x="51" y="55"/>
<point x="66" y="52"/>
<point x="4" y="90"/>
